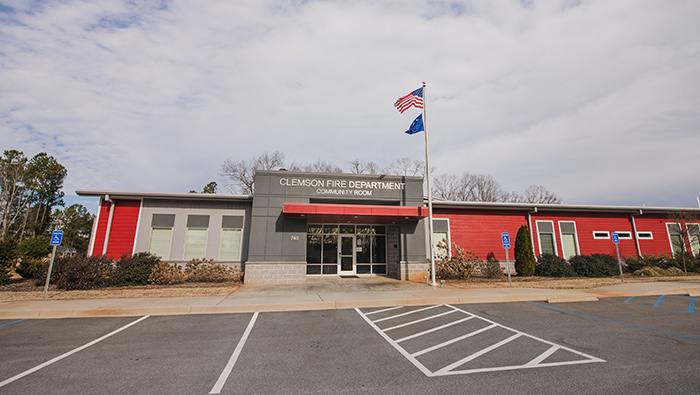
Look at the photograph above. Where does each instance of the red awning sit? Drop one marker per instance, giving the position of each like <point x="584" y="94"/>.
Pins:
<point x="353" y="213"/>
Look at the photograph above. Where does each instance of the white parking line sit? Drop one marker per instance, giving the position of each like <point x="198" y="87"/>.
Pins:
<point x="234" y="357"/>
<point x="69" y="353"/>
<point x="420" y="320"/>
<point x="405" y="314"/>
<point x="451" y="367"/>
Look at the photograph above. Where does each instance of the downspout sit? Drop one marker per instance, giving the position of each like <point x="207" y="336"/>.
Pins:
<point x="634" y="232"/>
<point x="109" y="223"/>
<point x="529" y="225"/>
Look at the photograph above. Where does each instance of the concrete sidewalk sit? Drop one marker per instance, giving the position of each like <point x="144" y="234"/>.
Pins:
<point x="333" y="293"/>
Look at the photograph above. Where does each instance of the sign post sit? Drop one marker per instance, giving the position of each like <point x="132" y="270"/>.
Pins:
<point x="616" y="240"/>
<point x="505" y="237"/>
<point x="56" y="238"/>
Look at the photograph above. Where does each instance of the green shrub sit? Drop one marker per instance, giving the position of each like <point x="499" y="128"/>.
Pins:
<point x="677" y="260"/>
<point x="35" y="247"/>
<point x="165" y="273"/>
<point x="634" y="263"/>
<point x="202" y="270"/>
<point x="134" y="270"/>
<point x="28" y="266"/>
<point x="78" y="272"/>
<point x="8" y="256"/>
<point x="523" y="254"/>
<point x="595" y="265"/>
<point x="553" y="266"/>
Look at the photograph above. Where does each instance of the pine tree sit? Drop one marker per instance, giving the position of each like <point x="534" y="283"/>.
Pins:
<point x="524" y="257"/>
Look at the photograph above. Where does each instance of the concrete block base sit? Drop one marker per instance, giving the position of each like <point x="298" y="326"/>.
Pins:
<point x="412" y="271"/>
<point x="274" y="273"/>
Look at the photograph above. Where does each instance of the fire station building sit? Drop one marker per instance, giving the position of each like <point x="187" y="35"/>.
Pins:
<point x="299" y="224"/>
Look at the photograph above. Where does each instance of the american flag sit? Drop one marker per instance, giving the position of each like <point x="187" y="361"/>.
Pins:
<point x="414" y="98"/>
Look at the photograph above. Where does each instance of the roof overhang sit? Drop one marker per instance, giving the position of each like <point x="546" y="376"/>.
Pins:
<point x="160" y="195"/>
<point x="353" y="213"/>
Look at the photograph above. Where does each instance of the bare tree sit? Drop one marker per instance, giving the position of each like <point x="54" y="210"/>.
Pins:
<point x="451" y="187"/>
<point x="240" y="175"/>
<point x="319" y="166"/>
<point x="359" y="167"/>
<point x="406" y="167"/>
<point x="539" y="194"/>
<point x="685" y="233"/>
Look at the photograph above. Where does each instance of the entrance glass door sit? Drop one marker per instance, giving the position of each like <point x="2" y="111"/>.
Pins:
<point x="346" y="255"/>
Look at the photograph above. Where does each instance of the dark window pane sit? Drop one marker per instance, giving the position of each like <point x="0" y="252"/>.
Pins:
<point x="330" y="229"/>
<point x="347" y="229"/>
<point x="330" y="249"/>
<point x="313" y="249"/>
<point x="313" y="229"/>
<point x="547" y="240"/>
<point x="363" y="269"/>
<point x="379" y="269"/>
<point x="379" y="229"/>
<point x="363" y="229"/>
<point x="313" y="269"/>
<point x="362" y="252"/>
<point x="330" y="269"/>
<point x="379" y="249"/>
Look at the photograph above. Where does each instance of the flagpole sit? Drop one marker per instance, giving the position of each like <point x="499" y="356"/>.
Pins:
<point x="430" y="191"/>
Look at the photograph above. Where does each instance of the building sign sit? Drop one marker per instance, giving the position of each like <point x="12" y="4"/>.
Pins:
<point x="341" y="187"/>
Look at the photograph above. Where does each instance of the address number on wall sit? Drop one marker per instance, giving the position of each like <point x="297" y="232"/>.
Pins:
<point x="293" y="237"/>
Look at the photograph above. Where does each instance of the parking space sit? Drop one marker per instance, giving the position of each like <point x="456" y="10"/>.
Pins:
<point x="446" y="340"/>
<point x="678" y="303"/>
<point x="599" y="347"/>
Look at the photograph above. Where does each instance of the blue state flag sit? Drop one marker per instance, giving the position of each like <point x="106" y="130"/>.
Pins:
<point x="416" y="126"/>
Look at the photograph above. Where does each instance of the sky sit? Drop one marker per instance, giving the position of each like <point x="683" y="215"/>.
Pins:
<point x="598" y="101"/>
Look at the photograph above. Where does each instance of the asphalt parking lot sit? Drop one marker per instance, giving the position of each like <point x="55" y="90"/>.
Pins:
<point x="617" y="345"/>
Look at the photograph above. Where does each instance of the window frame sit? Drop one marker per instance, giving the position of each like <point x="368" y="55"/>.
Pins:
<point x="561" y="238"/>
<point x="597" y="237"/>
<point x="539" y="236"/>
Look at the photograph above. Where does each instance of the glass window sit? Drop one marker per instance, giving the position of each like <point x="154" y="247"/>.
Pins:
<point x="569" y="244"/>
<point x="347" y="229"/>
<point x="160" y="242"/>
<point x="601" y="235"/>
<point x="330" y="229"/>
<point x="363" y="252"/>
<point x="313" y="248"/>
<point x="379" y="249"/>
<point x="545" y="231"/>
<point x="330" y="249"/>
<point x="694" y="236"/>
<point x="230" y="244"/>
<point x="195" y="245"/>
<point x="547" y="242"/>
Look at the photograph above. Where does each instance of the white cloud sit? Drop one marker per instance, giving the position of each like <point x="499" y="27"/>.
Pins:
<point x="596" y="100"/>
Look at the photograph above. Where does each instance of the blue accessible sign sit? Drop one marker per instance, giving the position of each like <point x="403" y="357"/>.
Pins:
<point x="56" y="237"/>
<point x="616" y="238"/>
<point x="505" y="237"/>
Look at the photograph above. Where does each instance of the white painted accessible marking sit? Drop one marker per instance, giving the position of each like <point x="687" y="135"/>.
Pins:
<point x="566" y="356"/>
<point x="69" y="353"/>
<point x="234" y="357"/>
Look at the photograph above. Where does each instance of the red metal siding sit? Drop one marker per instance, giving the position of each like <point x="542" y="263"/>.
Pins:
<point x="479" y="231"/>
<point x="586" y="224"/>
<point x="123" y="231"/>
<point x="656" y="224"/>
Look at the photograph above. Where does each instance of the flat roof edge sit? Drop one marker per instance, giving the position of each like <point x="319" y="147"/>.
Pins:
<point x="557" y="207"/>
<point x="161" y="195"/>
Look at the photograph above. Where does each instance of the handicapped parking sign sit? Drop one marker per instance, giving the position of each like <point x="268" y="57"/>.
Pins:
<point x="56" y="237"/>
<point x="615" y="237"/>
<point x="505" y="237"/>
